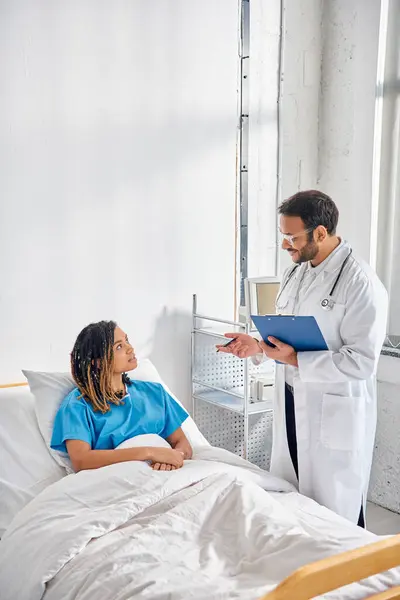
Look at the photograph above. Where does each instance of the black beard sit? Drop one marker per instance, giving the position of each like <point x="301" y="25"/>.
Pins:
<point x="307" y="253"/>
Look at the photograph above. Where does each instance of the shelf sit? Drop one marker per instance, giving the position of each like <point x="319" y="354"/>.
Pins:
<point x="211" y="332"/>
<point x="219" y="332"/>
<point x="232" y="403"/>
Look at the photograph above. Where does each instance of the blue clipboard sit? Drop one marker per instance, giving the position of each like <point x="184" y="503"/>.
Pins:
<point x="302" y="333"/>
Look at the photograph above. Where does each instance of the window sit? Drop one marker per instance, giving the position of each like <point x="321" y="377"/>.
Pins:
<point x="387" y="164"/>
<point x="259" y="139"/>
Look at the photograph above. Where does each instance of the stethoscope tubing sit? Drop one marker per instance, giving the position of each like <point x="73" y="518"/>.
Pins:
<point x="326" y="302"/>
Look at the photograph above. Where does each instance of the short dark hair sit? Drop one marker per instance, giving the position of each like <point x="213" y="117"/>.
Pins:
<point x="314" y="208"/>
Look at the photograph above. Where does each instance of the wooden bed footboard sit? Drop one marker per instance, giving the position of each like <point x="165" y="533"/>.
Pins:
<point x="334" y="572"/>
<point x="3" y="386"/>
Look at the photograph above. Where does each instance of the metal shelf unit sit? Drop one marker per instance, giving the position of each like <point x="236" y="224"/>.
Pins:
<point x="222" y="404"/>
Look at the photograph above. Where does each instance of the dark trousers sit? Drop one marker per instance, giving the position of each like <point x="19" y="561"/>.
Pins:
<point x="291" y="427"/>
<point x="292" y="439"/>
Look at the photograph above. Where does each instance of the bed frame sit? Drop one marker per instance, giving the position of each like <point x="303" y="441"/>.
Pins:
<point x="335" y="571"/>
<point x="12" y="385"/>
<point x="342" y="569"/>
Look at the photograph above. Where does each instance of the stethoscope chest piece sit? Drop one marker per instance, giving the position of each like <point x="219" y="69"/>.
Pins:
<point x="327" y="304"/>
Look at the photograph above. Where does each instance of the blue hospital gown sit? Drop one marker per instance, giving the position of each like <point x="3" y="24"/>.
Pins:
<point x="147" y="408"/>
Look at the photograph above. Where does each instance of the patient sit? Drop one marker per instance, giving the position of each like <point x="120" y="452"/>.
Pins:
<point x="107" y="408"/>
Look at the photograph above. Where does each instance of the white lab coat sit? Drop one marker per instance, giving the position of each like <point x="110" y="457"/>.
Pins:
<point x="335" y="390"/>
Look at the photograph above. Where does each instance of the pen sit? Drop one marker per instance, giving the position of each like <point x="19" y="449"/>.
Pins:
<point x="229" y="343"/>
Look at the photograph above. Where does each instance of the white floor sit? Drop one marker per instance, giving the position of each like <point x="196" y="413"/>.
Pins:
<point x="382" y="521"/>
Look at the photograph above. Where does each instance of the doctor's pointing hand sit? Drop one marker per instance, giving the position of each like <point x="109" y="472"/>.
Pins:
<point x="325" y="402"/>
<point x="245" y="346"/>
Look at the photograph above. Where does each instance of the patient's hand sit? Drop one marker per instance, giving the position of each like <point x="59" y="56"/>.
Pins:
<point x="162" y="467"/>
<point x="166" y="459"/>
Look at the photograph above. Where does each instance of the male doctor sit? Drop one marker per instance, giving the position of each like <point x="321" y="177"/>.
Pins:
<point x="325" y="402"/>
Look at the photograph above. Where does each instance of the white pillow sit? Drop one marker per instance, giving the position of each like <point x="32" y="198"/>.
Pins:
<point x="50" y="389"/>
<point x="26" y="468"/>
<point x="149" y="439"/>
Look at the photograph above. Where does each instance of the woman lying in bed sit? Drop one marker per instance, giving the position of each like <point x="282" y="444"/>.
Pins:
<point x="107" y="408"/>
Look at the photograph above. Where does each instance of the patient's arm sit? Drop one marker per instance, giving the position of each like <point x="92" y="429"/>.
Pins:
<point x="83" y="457"/>
<point x="179" y="441"/>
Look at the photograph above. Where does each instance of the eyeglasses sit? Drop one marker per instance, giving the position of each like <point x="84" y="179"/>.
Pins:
<point x="292" y="238"/>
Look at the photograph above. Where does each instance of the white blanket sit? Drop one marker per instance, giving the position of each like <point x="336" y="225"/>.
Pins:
<point x="209" y="530"/>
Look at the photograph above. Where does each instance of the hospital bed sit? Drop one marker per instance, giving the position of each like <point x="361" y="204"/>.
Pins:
<point x="280" y="532"/>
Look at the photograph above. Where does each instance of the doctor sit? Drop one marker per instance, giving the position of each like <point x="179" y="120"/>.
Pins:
<point x="325" y="403"/>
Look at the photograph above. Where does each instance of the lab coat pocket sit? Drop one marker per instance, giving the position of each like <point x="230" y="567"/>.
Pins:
<point x="342" y="422"/>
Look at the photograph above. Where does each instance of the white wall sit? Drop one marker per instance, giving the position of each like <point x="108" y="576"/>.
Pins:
<point x="300" y="95"/>
<point x="297" y="129"/>
<point x="117" y="174"/>
<point x="350" y="33"/>
<point x="329" y="75"/>
<point x="301" y="72"/>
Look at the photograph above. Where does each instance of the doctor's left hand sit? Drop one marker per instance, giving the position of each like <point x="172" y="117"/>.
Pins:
<point x="283" y="353"/>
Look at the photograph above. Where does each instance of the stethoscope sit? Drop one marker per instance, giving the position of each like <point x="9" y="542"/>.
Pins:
<point x="327" y="303"/>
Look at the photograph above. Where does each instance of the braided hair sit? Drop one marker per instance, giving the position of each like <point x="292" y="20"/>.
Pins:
<point x="92" y="365"/>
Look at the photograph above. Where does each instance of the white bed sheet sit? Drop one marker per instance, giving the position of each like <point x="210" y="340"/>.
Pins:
<point x="218" y="528"/>
<point x="26" y="467"/>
